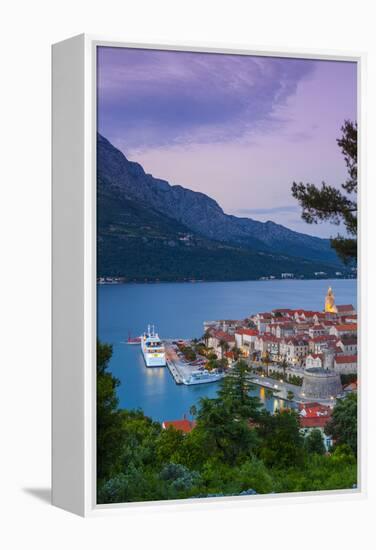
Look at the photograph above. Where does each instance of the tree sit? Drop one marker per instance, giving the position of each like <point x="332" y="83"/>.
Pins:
<point x="290" y="395"/>
<point x="226" y="436"/>
<point x="343" y="425"/>
<point x="109" y="422"/>
<point x="265" y="361"/>
<point x="314" y="442"/>
<point x="237" y="352"/>
<point x="235" y="390"/>
<point x="193" y="411"/>
<point x="206" y="337"/>
<point x="284" y="366"/>
<point x="281" y="441"/>
<point x="224" y="347"/>
<point x="331" y="204"/>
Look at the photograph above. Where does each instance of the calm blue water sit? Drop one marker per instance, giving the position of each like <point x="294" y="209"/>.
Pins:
<point x="178" y="311"/>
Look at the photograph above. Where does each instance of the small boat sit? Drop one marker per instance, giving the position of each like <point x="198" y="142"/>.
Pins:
<point x="133" y="341"/>
<point x="202" y="377"/>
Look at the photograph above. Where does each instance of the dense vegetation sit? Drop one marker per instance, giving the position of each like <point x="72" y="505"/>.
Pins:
<point x="140" y="244"/>
<point x="236" y="447"/>
<point x="327" y="203"/>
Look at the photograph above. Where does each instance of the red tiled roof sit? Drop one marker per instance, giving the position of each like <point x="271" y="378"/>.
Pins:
<point x="220" y="335"/>
<point x="306" y="312"/>
<point x="315" y="422"/>
<point x="247" y="331"/>
<point x="324" y="338"/>
<point x="347" y="307"/>
<point x="345" y="359"/>
<point x="310" y="404"/>
<point x="315" y="409"/>
<point x="181" y="425"/>
<point x="347" y="327"/>
<point x="269" y="338"/>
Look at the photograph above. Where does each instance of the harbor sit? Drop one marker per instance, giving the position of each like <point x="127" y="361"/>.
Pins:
<point x="160" y="353"/>
<point x="159" y="391"/>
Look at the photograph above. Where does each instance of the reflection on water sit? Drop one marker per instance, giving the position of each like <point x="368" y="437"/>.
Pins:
<point x="178" y="311"/>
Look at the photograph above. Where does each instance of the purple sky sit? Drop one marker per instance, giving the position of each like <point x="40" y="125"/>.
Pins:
<point x="239" y="128"/>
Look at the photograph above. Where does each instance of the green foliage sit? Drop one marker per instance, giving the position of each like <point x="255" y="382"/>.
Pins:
<point x="328" y="203"/>
<point x="295" y="379"/>
<point x="290" y="395"/>
<point x="281" y="441"/>
<point x="234" y="393"/>
<point x="188" y="353"/>
<point x="343" y="425"/>
<point x="179" y="477"/>
<point x="348" y="378"/>
<point x="225" y="454"/>
<point x="138" y="243"/>
<point x="314" y="442"/>
<point x="108" y="416"/>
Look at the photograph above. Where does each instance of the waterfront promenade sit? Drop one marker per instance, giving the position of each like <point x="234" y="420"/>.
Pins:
<point x="179" y="369"/>
<point x="281" y="389"/>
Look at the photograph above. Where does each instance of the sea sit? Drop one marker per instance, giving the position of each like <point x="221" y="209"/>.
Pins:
<point x="178" y="310"/>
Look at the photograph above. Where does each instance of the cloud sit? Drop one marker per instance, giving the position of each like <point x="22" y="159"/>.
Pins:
<point x="156" y="98"/>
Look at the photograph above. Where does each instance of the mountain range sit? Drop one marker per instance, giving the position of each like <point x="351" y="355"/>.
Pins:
<point x="148" y="229"/>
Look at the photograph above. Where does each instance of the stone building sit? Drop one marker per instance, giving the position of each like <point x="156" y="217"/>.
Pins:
<point x="321" y="384"/>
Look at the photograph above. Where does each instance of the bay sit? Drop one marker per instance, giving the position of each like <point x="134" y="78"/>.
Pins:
<point x="178" y="310"/>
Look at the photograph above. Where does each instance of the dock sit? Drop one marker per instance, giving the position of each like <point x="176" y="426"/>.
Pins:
<point x="174" y="372"/>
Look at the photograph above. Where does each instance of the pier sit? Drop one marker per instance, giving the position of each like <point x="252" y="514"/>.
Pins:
<point x="174" y="372"/>
<point x="178" y="370"/>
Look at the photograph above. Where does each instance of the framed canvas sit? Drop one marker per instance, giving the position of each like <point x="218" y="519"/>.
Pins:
<point x="208" y="295"/>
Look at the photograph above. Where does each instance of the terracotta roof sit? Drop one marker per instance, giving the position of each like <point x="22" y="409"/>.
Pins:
<point x="310" y="404"/>
<point x="324" y="338"/>
<point x="345" y="359"/>
<point x="316" y="422"/>
<point x="306" y="312"/>
<point x="314" y="415"/>
<point x="220" y="335"/>
<point x="347" y="327"/>
<point x="181" y="425"/>
<point x="247" y="331"/>
<point x="347" y="307"/>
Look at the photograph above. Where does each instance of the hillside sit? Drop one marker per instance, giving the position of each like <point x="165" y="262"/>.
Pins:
<point x="148" y="229"/>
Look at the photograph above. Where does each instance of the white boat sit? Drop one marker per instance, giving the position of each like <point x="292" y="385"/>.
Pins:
<point x="152" y="348"/>
<point x="202" y="377"/>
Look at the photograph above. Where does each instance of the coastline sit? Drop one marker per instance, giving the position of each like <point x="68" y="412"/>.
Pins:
<point x="202" y="281"/>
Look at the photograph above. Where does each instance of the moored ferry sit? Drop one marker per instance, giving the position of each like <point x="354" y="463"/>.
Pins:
<point x="152" y="349"/>
<point x="202" y="377"/>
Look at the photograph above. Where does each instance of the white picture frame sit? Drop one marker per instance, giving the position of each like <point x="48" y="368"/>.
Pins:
<point x="74" y="277"/>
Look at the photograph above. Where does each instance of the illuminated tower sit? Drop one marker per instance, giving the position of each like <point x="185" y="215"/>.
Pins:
<point x="330" y="306"/>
